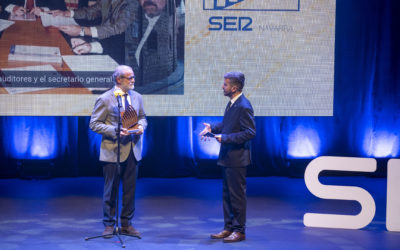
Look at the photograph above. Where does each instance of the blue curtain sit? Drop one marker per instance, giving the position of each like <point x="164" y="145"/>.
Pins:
<point x="366" y="121"/>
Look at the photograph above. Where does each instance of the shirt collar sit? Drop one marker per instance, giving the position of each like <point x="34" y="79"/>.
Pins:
<point x="233" y="100"/>
<point x="152" y="20"/>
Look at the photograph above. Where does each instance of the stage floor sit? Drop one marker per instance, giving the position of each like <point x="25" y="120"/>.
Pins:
<point x="181" y="213"/>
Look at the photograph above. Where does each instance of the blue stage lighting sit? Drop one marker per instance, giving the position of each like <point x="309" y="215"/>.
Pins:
<point x="303" y="143"/>
<point x="31" y="137"/>
<point x="380" y="144"/>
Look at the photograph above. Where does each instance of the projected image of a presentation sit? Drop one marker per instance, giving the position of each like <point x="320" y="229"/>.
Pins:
<point x="57" y="64"/>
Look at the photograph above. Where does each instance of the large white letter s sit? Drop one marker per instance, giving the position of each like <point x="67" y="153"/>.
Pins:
<point x="358" y="194"/>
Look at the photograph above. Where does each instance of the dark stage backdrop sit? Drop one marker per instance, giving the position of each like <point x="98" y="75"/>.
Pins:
<point x="366" y="121"/>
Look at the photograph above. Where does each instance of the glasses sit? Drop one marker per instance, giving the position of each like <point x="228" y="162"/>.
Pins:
<point x="129" y="78"/>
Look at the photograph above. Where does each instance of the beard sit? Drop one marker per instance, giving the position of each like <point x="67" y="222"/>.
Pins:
<point x="126" y="88"/>
<point x="227" y="93"/>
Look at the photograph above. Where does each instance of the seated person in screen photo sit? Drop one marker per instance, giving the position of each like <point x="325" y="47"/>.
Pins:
<point x="105" y="32"/>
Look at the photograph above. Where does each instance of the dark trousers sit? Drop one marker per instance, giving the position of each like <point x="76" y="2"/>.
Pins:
<point x="234" y="198"/>
<point x="111" y="180"/>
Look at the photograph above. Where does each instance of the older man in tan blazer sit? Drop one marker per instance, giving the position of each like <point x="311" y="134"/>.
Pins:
<point x="104" y="120"/>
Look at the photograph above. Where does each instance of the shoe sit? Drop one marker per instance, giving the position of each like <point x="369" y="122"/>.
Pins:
<point x="108" y="232"/>
<point x="235" y="237"/>
<point x="221" y="235"/>
<point x="131" y="231"/>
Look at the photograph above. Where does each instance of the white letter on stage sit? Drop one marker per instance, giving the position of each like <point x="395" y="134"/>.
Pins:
<point x="366" y="201"/>
<point x="393" y="197"/>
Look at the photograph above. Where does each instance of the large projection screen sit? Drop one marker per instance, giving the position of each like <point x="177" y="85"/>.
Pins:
<point x="285" y="48"/>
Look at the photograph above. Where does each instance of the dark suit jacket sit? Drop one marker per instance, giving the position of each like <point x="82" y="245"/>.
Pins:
<point x="237" y="129"/>
<point x="158" y="56"/>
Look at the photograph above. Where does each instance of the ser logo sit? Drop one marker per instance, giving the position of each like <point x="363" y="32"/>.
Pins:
<point x="243" y="23"/>
<point x="227" y="23"/>
<point x="230" y="23"/>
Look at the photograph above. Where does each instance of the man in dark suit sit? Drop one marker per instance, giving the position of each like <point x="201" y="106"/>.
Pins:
<point x="151" y="42"/>
<point x="104" y="120"/>
<point x="234" y="133"/>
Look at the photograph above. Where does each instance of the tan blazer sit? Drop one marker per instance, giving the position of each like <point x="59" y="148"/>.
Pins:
<point x="104" y="120"/>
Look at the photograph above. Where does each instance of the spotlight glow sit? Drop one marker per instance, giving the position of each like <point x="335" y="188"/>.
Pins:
<point x="380" y="144"/>
<point x="32" y="138"/>
<point x="303" y="143"/>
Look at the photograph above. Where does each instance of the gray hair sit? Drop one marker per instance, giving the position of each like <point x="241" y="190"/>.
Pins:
<point x="119" y="71"/>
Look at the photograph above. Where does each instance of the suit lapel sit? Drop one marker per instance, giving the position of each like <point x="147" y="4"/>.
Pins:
<point x="133" y="101"/>
<point x="114" y="100"/>
<point x="234" y="105"/>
